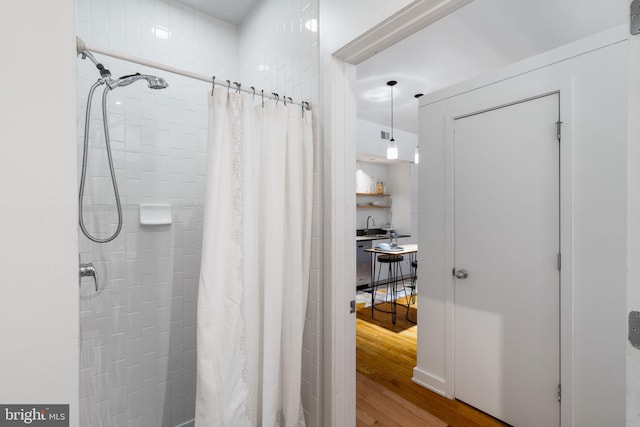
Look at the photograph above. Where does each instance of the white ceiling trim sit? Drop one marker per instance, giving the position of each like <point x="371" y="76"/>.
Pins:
<point x="402" y="24"/>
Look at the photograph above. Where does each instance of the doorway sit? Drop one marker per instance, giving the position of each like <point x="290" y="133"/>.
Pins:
<point x="433" y="370"/>
<point x="506" y="249"/>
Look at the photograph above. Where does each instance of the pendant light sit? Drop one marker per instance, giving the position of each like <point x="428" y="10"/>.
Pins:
<point x="392" y="147"/>
<point x="416" y="154"/>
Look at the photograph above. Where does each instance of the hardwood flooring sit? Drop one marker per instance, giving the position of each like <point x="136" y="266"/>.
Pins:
<point x="387" y="359"/>
<point x="378" y="406"/>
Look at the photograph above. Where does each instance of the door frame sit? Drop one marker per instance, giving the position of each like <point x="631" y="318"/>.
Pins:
<point x="484" y="103"/>
<point x="339" y="394"/>
<point x="339" y="117"/>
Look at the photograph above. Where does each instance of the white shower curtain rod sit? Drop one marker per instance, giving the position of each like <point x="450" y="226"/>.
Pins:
<point x="81" y="46"/>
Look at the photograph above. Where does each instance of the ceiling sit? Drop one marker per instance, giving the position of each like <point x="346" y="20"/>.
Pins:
<point x="231" y="11"/>
<point x="479" y="37"/>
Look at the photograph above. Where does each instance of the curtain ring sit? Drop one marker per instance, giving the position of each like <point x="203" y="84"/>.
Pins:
<point x="254" y="92"/>
<point x="237" y="86"/>
<point x="284" y="97"/>
<point x="290" y="100"/>
<point x="228" y="85"/>
<point x="277" y="97"/>
<point x="213" y="84"/>
<point x="262" y="95"/>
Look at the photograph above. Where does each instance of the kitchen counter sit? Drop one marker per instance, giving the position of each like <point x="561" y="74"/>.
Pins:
<point x="378" y="237"/>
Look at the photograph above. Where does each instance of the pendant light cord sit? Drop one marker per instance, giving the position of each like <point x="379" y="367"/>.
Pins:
<point x="392" y="113"/>
<point x="392" y="83"/>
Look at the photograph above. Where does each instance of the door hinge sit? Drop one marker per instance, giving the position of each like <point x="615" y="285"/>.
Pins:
<point x="634" y="329"/>
<point x="559" y="261"/>
<point x="634" y="13"/>
<point x="352" y="306"/>
<point x="559" y="129"/>
<point x="559" y="393"/>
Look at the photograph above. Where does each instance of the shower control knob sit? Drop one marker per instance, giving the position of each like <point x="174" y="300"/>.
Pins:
<point x="88" y="270"/>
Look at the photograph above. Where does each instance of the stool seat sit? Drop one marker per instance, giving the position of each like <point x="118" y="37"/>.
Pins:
<point x="390" y="258"/>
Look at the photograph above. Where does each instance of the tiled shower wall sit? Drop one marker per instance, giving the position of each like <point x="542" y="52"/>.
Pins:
<point x="137" y="333"/>
<point x="279" y="52"/>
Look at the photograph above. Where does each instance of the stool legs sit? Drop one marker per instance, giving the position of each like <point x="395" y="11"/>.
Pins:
<point x="412" y="298"/>
<point x="392" y="288"/>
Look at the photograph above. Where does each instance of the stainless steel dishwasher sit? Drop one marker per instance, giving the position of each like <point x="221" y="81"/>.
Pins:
<point x="363" y="259"/>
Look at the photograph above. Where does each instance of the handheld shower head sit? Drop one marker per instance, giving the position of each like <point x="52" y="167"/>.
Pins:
<point x="153" y="82"/>
<point x="156" y="82"/>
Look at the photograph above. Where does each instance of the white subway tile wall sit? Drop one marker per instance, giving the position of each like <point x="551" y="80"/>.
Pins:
<point x="137" y="334"/>
<point x="137" y="337"/>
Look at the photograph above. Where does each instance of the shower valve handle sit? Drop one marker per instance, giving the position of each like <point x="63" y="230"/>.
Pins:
<point x="89" y="270"/>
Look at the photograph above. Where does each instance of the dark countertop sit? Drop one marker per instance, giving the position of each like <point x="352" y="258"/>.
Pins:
<point x="378" y="237"/>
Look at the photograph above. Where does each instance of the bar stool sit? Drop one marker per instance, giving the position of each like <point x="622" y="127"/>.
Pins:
<point x="394" y="266"/>
<point x="412" y="297"/>
<point x="414" y="277"/>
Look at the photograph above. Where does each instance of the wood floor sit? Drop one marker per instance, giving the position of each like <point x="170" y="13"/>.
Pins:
<point x="379" y="406"/>
<point x="387" y="359"/>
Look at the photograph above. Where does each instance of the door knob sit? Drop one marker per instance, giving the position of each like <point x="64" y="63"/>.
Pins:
<point x="461" y="274"/>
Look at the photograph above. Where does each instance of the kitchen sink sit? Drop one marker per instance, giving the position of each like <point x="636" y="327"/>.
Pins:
<point x="371" y="232"/>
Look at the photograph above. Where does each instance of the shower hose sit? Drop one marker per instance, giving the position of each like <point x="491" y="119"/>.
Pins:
<point x="83" y="175"/>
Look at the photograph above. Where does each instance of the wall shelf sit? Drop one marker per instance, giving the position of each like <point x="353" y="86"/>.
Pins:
<point x="372" y="205"/>
<point x="373" y="195"/>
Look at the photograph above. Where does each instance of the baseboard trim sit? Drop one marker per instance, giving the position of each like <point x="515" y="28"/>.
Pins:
<point x="191" y="423"/>
<point x="431" y="382"/>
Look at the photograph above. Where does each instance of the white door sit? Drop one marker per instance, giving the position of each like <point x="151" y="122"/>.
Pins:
<point x="507" y="233"/>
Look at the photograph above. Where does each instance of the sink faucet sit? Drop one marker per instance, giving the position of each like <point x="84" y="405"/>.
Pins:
<point x="373" y="222"/>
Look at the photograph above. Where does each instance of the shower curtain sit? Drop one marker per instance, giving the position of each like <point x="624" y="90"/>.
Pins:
<point x="256" y="253"/>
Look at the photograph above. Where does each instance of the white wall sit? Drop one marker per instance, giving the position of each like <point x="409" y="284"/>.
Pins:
<point x="279" y="54"/>
<point x="400" y="176"/>
<point x="368" y="174"/>
<point x="38" y="249"/>
<point x="344" y="20"/>
<point x="369" y="140"/>
<point x="597" y="253"/>
<point x="138" y="334"/>
<point x="633" y="256"/>
<point x="403" y="184"/>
